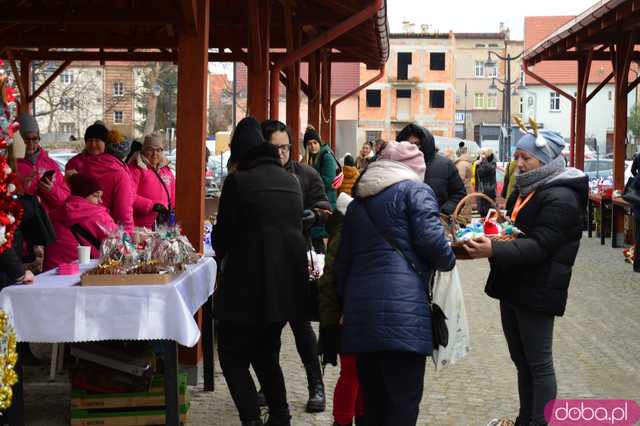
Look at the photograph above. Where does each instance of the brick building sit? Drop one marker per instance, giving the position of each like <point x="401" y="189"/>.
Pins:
<point x="419" y="87"/>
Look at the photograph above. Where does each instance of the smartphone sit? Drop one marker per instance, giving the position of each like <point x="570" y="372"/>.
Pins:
<point x="48" y="175"/>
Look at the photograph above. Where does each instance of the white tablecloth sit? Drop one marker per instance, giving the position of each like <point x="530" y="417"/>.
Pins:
<point x="57" y="309"/>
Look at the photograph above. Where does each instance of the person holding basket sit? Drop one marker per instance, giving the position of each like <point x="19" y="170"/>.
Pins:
<point x="530" y="275"/>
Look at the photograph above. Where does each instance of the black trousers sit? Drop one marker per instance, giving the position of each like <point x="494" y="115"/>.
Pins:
<point x="530" y="339"/>
<point x="258" y="345"/>
<point x="392" y="385"/>
<point x="306" y="341"/>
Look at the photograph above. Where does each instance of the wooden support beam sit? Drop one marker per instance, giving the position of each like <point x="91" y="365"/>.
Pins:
<point x="189" y="17"/>
<point x="313" y="97"/>
<point x="633" y="85"/>
<point x="25" y="75"/>
<point x="88" y="16"/>
<point x="49" y="80"/>
<point x="325" y="100"/>
<point x="292" y="33"/>
<point x="259" y="18"/>
<point x="584" y="69"/>
<point x="623" y="54"/>
<point x="600" y="86"/>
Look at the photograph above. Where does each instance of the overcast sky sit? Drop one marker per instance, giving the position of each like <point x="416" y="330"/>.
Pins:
<point x="478" y="15"/>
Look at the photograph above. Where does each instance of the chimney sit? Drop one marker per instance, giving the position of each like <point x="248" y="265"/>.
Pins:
<point x="502" y="27"/>
<point x="424" y="28"/>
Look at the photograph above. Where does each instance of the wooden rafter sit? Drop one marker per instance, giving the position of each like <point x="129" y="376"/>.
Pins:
<point x="188" y="14"/>
<point x="88" y="16"/>
<point x="16" y="74"/>
<point x="49" y="80"/>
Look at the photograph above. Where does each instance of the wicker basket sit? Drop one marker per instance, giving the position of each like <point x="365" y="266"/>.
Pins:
<point x="458" y="245"/>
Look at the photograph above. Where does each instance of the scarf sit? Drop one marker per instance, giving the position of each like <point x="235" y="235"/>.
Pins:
<point x="528" y="182"/>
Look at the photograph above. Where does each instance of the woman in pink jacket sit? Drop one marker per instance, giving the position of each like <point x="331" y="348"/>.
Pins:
<point x="95" y="139"/>
<point x="39" y="175"/>
<point x="82" y="220"/>
<point x="154" y="182"/>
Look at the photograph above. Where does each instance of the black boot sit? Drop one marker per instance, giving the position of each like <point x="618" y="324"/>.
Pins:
<point x="317" y="402"/>
<point x="279" y="419"/>
<point x="360" y="421"/>
<point x="253" y="423"/>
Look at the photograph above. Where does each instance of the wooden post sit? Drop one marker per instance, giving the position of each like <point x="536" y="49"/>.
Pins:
<point x="624" y="50"/>
<point x="314" y="91"/>
<point x="259" y="17"/>
<point x="325" y="109"/>
<point x="584" y="69"/>
<point x="25" y="75"/>
<point x="293" y="83"/>
<point x="191" y="135"/>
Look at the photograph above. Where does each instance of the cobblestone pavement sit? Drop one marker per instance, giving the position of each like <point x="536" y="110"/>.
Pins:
<point x="596" y="351"/>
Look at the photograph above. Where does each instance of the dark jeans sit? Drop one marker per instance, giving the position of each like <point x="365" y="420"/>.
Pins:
<point x="306" y="341"/>
<point x="530" y="339"/>
<point x="392" y="385"/>
<point x="258" y="345"/>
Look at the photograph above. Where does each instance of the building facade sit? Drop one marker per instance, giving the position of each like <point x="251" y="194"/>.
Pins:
<point x="419" y="87"/>
<point x="478" y="108"/>
<point x="553" y="111"/>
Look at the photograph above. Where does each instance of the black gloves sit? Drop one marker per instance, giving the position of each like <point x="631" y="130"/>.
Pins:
<point x="163" y="212"/>
<point x="309" y="219"/>
<point x="329" y="344"/>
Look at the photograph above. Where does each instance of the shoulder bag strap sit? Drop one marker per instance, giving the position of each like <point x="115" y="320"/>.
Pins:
<point x="79" y="232"/>
<point x="428" y="281"/>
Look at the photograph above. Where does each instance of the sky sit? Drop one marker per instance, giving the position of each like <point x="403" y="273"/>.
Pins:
<point x="478" y="15"/>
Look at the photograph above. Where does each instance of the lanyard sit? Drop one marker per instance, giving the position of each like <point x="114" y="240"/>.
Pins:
<point x="520" y="205"/>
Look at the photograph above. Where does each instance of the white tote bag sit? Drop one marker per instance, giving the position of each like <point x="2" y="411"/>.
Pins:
<point x="447" y="293"/>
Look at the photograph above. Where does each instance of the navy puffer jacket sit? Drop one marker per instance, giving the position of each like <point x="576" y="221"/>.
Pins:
<point x="384" y="300"/>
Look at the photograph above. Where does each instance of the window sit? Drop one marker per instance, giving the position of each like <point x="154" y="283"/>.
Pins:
<point x="403" y="93"/>
<point x="372" y="135"/>
<point x="480" y="46"/>
<point x="479" y="100"/>
<point x="492" y="101"/>
<point x="554" y="101"/>
<point x="404" y="60"/>
<point x="118" y="88"/>
<point x="66" y="77"/>
<point x="458" y="99"/>
<point x="66" y="104"/>
<point x="118" y="117"/>
<point x="479" y="69"/>
<point x="67" y="127"/>
<point x="437" y="61"/>
<point x="491" y="72"/>
<point x="493" y="45"/>
<point x="610" y="95"/>
<point x="436" y="98"/>
<point x="373" y="98"/>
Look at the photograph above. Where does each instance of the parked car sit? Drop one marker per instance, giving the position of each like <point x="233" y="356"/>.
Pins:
<point x="62" y="157"/>
<point x="603" y="168"/>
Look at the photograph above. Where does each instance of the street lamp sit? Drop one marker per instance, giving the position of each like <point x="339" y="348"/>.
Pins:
<point x="507" y="92"/>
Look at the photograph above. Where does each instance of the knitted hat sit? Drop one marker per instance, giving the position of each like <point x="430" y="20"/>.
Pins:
<point x="84" y="185"/>
<point x="546" y="147"/>
<point x="28" y="124"/>
<point x="117" y="144"/>
<point x="311" y="134"/>
<point x="248" y="134"/>
<point x="407" y="154"/>
<point x="349" y="161"/>
<point x="96" y="131"/>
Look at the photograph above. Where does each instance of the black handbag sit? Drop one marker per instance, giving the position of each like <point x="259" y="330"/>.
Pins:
<point x="439" y="330"/>
<point x="631" y="193"/>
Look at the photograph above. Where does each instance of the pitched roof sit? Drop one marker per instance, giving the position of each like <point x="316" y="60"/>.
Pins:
<point x="345" y="76"/>
<point x="536" y="29"/>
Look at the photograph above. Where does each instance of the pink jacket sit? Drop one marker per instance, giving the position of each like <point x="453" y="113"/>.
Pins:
<point x="77" y="163"/>
<point x="118" y="192"/>
<point x="30" y="174"/>
<point x="92" y="218"/>
<point x="152" y="188"/>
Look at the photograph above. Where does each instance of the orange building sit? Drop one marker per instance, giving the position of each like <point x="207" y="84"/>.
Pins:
<point x="419" y="88"/>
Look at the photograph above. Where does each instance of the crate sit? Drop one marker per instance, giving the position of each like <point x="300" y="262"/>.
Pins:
<point x="126" y="409"/>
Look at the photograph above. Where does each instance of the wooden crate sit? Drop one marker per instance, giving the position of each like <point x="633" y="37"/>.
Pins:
<point x="92" y="280"/>
<point x="83" y="400"/>
<point x="126" y="409"/>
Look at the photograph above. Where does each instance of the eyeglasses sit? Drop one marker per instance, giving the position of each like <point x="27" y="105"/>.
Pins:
<point x="154" y="149"/>
<point x="284" y="148"/>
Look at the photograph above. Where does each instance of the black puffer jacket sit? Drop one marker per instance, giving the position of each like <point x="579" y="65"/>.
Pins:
<point x="313" y="194"/>
<point x="260" y="244"/>
<point x="486" y="179"/>
<point x="534" y="272"/>
<point x="442" y="175"/>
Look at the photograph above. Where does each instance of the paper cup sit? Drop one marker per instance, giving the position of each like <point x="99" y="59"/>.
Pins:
<point x="84" y="254"/>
